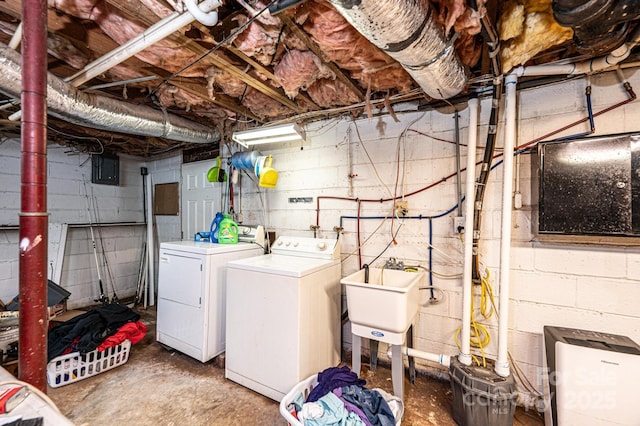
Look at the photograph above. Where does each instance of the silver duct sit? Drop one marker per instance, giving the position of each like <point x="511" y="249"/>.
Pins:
<point x="99" y="112"/>
<point x="408" y="32"/>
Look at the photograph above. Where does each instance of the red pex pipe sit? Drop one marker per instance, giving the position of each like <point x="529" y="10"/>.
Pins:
<point x="32" y="361"/>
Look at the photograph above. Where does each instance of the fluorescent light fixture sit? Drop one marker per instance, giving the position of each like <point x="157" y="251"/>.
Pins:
<point x="263" y="135"/>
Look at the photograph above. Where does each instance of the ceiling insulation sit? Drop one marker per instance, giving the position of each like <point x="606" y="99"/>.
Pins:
<point x="307" y="62"/>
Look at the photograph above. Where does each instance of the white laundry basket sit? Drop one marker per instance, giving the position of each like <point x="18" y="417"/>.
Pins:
<point x="305" y="387"/>
<point x="70" y="368"/>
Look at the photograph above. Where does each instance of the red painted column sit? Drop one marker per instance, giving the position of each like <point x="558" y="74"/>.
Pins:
<point x="33" y="243"/>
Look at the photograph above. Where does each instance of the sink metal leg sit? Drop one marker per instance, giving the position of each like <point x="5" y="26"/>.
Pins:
<point x="397" y="371"/>
<point x="373" y="354"/>
<point x="356" y="353"/>
<point x="412" y="362"/>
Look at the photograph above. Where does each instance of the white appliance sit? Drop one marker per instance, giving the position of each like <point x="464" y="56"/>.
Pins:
<point x="283" y="315"/>
<point x="191" y="295"/>
<point x="592" y="378"/>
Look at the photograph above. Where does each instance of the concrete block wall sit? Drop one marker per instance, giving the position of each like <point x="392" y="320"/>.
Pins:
<point x="590" y="286"/>
<point x="71" y="198"/>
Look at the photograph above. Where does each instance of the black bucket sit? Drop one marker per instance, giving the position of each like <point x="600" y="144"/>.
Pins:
<point x="480" y="396"/>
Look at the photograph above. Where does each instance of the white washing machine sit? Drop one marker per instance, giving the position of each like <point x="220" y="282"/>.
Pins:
<point x="283" y="315"/>
<point x="191" y="295"/>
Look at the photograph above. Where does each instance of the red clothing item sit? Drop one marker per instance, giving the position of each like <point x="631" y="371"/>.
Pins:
<point x="134" y="331"/>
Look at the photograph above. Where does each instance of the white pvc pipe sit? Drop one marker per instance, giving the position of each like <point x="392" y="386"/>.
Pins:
<point x="585" y="67"/>
<point x="467" y="286"/>
<point x="205" y="17"/>
<point x="16" y="38"/>
<point x="439" y="358"/>
<point x="151" y="35"/>
<point x="150" y="246"/>
<point x="502" y="363"/>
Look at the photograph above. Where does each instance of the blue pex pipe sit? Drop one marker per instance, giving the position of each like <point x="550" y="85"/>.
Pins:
<point x="419" y="217"/>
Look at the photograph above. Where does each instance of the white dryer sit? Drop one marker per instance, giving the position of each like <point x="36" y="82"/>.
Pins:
<point x="283" y="315"/>
<point x="191" y="295"/>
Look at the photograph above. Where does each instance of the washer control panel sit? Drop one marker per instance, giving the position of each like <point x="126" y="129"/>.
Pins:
<point x="323" y="248"/>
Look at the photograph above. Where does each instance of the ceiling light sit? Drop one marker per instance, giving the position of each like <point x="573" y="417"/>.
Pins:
<point x="264" y="135"/>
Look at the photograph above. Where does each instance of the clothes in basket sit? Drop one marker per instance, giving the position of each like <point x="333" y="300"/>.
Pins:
<point x="340" y="398"/>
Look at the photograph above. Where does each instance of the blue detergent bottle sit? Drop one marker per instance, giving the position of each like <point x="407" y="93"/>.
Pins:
<point x="215" y="227"/>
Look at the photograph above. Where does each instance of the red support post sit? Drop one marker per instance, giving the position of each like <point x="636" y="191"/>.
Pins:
<point x="32" y="344"/>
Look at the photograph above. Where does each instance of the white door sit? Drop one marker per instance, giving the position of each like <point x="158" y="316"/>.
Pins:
<point x="201" y="199"/>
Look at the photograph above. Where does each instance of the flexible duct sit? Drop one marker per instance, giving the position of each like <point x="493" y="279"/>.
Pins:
<point x="99" y="112"/>
<point x="409" y="33"/>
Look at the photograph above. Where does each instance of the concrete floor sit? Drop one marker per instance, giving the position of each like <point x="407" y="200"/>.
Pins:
<point x="160" y="386"/>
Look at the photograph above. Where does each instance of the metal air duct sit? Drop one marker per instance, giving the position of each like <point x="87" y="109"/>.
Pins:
<point x="409" y="33"/>
<point x="99" y="112"/>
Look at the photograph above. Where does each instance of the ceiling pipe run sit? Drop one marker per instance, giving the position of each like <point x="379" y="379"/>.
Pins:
<point x="502" y="367"/>
<point x="409" y="33"/>
<point x="150" y="36"/>
<point x="99" y="112"/>
<point x="33" y="321"/>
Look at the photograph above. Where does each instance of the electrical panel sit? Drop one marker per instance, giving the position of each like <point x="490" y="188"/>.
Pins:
<point x="105" y="169"/>
<point x="589" y="186"/>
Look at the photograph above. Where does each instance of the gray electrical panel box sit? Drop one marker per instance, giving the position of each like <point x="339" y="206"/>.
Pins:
<point x="589" y="186"/>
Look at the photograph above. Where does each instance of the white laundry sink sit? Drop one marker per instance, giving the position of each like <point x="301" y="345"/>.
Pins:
<point x="384" y="308"/>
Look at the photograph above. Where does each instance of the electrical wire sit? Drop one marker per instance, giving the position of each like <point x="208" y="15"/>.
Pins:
<point x="480" y="337"/>
<point x="224" y="41"/>
<point x="365" y="241"/>
<point x="371" y="163"/>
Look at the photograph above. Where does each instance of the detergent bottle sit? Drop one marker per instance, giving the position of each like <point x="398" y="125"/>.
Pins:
<point x="228" y="233"/>
<point x="215" y="227"/>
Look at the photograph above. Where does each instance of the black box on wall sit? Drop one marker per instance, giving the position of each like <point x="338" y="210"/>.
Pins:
<point x="589" y="186"/>
<point x="105" y="169"/>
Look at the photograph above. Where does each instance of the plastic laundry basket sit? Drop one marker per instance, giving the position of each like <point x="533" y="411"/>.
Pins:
<point x="70" y="368"/>
<point x="305" y="387"/>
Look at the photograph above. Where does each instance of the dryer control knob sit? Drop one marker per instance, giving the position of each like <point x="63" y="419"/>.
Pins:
<point x="287" y="243"/>
<point x="322" y="246"/>
<point x="279" y="242"/>
<point x="295" y="244"/>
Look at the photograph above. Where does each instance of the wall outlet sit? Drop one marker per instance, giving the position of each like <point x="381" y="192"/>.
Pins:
<point x="402" y="208"/>
<point x="458" y="225"/>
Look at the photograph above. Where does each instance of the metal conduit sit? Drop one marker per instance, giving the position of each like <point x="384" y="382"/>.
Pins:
<point x="408" y="32"/>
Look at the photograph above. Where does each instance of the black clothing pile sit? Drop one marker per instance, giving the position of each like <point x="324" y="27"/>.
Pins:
<point x="86" y="332"/>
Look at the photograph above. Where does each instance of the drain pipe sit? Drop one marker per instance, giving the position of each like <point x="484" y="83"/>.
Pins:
<point x="408" y="31"/>
<point x="439" y="358"/>
<point x="502" y="362"/>
<point x="33" y="321"/>
<point x="597" y="64"/>
<point x="585" y="67"/>
<point x="467" y="275"/>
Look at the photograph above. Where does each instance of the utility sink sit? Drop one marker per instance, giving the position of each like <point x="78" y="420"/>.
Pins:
<point x="384" y="308"/>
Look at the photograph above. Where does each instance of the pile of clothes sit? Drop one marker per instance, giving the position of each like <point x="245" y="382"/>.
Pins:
<point x="97" y="329"/>
<point x="340" y="398"/>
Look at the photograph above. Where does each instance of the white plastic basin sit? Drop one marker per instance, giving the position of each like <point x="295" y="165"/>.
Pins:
<point x="387" y="304"/>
